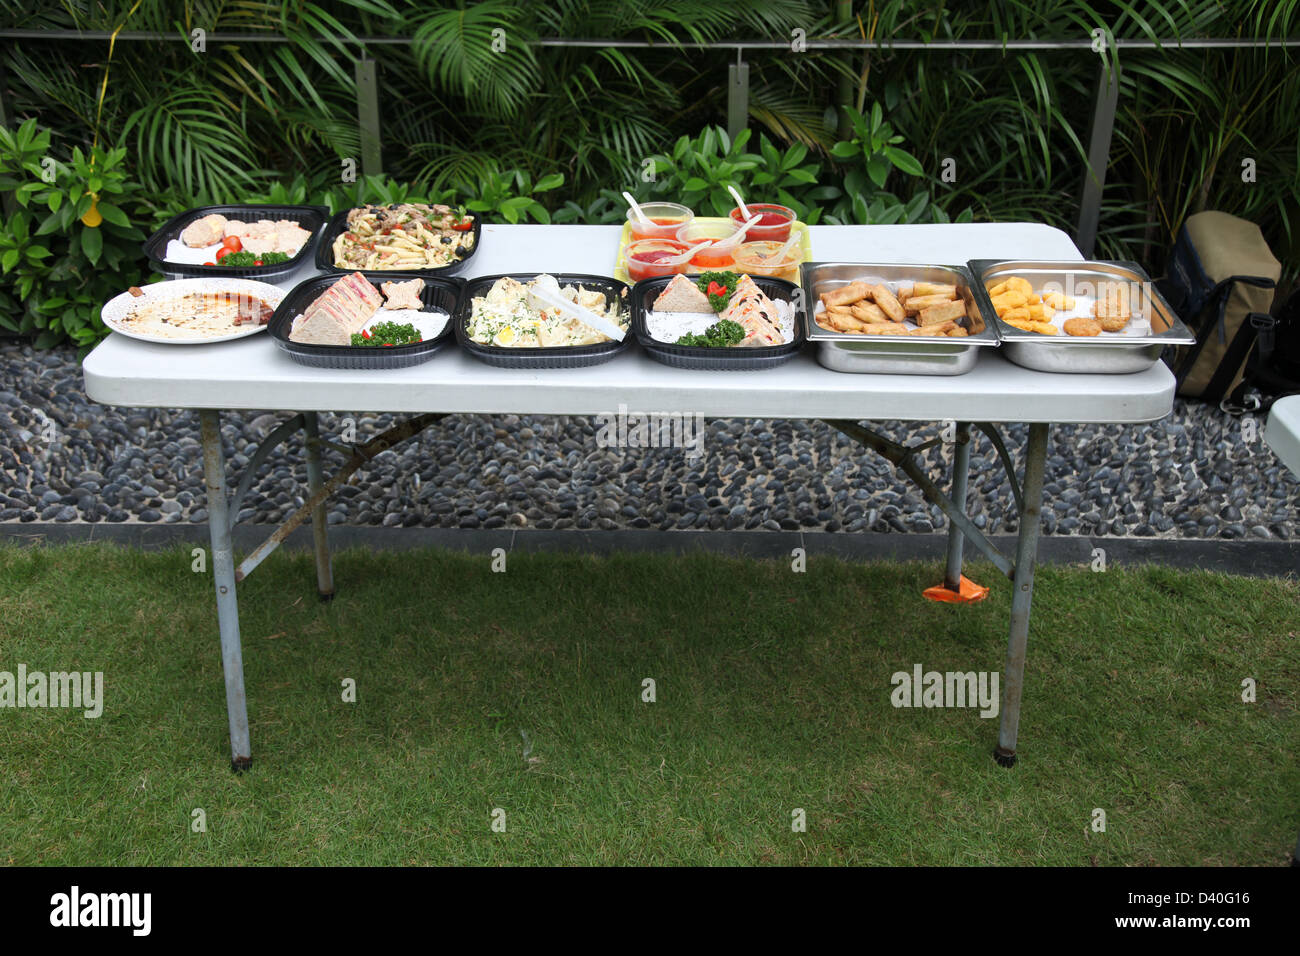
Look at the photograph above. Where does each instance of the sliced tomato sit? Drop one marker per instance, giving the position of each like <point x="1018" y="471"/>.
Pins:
<point x="209" y="263"/>
<point x="232" y="243"/>
<point x="223" y="252"/>
<point x="257" y="262"/>
<point x="464" y="225"/>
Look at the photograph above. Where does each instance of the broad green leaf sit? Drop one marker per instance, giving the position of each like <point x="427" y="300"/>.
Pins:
<point x="878" y="169"/>
<point x="113" y="214"/>
<point x="904" y="161"/>
<point x="92" y="243"/>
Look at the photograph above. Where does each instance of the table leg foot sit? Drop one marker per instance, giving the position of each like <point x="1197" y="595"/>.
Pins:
<point x="960" y="471"/>
<point x="240" y="764"/>
<point x="1004" y="758"/>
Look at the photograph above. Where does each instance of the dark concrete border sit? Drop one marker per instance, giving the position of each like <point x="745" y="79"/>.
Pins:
<point x="1255" y="558"/>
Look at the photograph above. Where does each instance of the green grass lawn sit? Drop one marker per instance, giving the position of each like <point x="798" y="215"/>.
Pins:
<point x="773" y="693"/>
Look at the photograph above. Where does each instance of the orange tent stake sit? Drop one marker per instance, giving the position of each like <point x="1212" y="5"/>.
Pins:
<point x="968" y="593"/>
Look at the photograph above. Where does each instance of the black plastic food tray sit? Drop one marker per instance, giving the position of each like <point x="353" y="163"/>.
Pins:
<point x="565" y="356"/>
<point x="311" y="218"/>
<point x="339" y="224"/>
<point x="717" y="359"/>
<point x="441" y="294"/>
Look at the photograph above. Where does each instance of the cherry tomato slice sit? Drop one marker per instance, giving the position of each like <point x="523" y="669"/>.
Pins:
<point x="223" y="252"/>
<point x="465" y="225"/>
<point x="209" y="263"/>
<point x="232" y="243"/>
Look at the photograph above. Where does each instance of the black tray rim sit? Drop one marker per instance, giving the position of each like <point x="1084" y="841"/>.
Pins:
<point x="496" y="355"/>
<point x="157" y="243"/>
<point x="737" y="356"/>
<point x="325" y="248"/>
<point x="283" y="316"/>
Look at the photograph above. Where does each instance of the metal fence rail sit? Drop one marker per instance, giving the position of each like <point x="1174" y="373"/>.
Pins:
<point x="1102" y="113"/>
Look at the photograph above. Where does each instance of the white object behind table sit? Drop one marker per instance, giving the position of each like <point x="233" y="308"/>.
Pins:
<point x="1282" y="431"/>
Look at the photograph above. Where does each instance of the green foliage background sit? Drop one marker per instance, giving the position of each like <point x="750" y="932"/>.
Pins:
<point x="546" y="133"/>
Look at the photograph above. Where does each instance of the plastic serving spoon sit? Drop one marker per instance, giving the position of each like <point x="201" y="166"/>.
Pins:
<point x="736" y="238"/>
<point x="636" y="209"/>
<point x="744" y="210"/>
<point x="539" y="293"/>
<point x="780" y="254"/>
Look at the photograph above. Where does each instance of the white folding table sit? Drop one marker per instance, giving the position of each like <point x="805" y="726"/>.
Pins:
<point x="253" y="374"/>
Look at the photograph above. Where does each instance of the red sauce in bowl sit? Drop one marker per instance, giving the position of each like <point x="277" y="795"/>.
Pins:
<point x="644" y="258"/>
<point x="773" y="226"/>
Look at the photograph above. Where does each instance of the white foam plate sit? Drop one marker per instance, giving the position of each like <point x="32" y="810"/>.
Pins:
<point x="119" y="307"/>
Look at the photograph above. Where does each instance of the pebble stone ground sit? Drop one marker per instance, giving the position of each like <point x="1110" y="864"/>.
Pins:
<point x="1198" y="474"/>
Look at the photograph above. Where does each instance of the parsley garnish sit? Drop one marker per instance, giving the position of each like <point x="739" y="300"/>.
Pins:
<point x="718" y="335"/>
<point x="388" y="333"/>
<point x="726" y="280"/>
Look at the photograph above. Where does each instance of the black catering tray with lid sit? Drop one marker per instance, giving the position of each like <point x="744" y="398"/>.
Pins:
<point x="564" y="356"/>
<point x="718" y="359"/>
<point x="443" y="294"/>
<point x="311" y="218"/>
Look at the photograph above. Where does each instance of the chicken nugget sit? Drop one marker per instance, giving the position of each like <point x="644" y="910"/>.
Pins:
<point x="1013" y="284"/>
<point x="1081" y="326"/>
<point x="1012" y="299"/>
<point x="1020" y="314"/>
<point x="1059" y="300"/>
<point x="888" y="303"/>
<point x="1113" y="323"/>
<point x="1042" y="328"/>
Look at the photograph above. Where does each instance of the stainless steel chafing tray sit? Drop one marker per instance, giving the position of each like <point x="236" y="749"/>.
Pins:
<point x="1137" y="347"/>
<point x="896" y="354"/>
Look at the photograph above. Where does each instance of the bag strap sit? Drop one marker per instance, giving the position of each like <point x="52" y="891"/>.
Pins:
<point x="1235" y="357"/>
<point x="1218" y="294"/>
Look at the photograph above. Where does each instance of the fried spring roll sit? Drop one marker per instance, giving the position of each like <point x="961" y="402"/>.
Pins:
<point x="934" y="288"/>
<point x="936" y="314"/>
<point x="919" y="303"/>
<point x="853" y="292"/>
<point x="888" y="303"/>
<point x="869" y="312"/>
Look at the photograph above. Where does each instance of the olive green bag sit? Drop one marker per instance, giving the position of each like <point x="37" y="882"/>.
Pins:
<point x="1221" y="280"/>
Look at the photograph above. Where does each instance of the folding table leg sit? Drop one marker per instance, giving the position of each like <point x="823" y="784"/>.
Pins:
<point x="960" y="472"/>
<point x="1026" y="554"/>
<point x="319" y="528"/>
<point x="223" y="572"/>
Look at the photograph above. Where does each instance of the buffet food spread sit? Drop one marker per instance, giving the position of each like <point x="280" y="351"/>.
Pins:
<point x="737" y="292"/>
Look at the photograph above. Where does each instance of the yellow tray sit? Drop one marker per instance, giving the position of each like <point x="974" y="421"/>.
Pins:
<point x="625" y="239"/>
